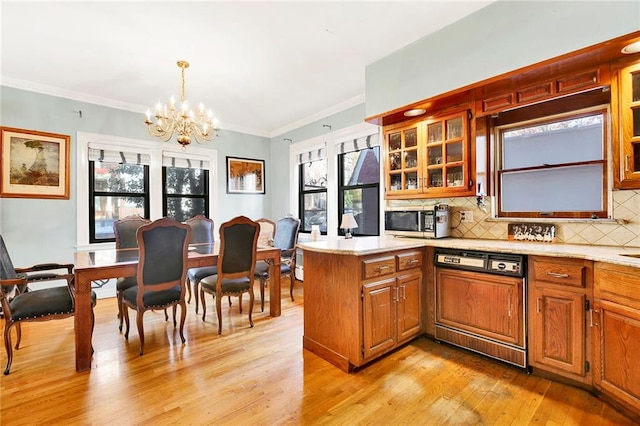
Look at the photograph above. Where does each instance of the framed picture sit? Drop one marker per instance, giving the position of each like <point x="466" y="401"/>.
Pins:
<point x="34" y="164"/>
<point x="245" y="176"/>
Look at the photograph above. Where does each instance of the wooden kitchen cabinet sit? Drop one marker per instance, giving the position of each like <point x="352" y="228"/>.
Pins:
<point x="625" y="104"/>
<point x="616" y="329"/>
<point x="560" y="291"/>
<point x="391" y="312"/>
<point x="360" y="307"/>
<point x="429" y="158"/>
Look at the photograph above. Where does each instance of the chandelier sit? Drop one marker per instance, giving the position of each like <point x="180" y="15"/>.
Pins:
<point x="183" y="121"/>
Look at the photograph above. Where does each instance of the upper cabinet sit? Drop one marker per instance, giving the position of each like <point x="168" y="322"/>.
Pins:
<point x="429" y="158"/>
<point x="626" y="136"/>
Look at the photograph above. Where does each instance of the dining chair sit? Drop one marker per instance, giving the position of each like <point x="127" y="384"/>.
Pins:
<point x="267" y="229"/>
<point x="162" y="273"/>
<point x="125" y="232"/>
<point x="23" y="304"/>
<point x="201" y="232"/>
<point x="285" y="238"/>
<point x="236" y="263"/>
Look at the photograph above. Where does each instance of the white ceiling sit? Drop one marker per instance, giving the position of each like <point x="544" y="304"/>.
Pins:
<point x="264" y="67"/>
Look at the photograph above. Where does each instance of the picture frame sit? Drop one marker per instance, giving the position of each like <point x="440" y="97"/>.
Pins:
<point x="34" y="164"/>
<point x="245" y="176"/>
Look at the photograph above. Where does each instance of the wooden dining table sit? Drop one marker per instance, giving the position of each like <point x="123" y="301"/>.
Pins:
<point x="112" y="263"/>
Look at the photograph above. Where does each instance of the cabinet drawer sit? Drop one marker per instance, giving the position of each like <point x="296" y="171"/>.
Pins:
<point x="617" y="283"/>
<point x="409" y="260"/>
<point x="568" y="272"/>
<point x="377" y="267"/>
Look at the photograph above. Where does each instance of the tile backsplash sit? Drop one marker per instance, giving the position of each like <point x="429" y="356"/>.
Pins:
<point x="623" y="231"/>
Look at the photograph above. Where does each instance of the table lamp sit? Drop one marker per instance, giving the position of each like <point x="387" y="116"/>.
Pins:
<point x="348" y="223"/>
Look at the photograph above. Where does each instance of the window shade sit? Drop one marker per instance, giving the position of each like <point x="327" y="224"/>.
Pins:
<point x="120" y="157"/>
<point x="170" y="159"/>
<point x="358" y="144"/>
<point x="319" y="153"/>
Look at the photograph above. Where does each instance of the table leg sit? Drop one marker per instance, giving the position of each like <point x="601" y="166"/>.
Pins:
<point x="82" y="322"/>
<point x="274" y="287"/>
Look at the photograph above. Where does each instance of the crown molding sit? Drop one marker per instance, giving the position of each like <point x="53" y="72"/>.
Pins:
<point x="112" y="103"/>
<point x="357" y="100"/>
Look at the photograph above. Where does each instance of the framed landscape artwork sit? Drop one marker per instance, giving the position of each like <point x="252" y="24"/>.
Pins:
<point x="34" y="164"/>
<point x="245" y="176"/>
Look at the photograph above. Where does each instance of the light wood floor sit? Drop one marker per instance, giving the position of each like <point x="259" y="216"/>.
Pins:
<point x="263" y="376"/>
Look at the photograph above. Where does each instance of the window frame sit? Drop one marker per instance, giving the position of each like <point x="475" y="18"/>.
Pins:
<point x="539" y="119"/>
<point x="166" y="196"/>
<point x="343" y="188"/>
<point x="302" y="192"/>
<point x="93" y="194"/>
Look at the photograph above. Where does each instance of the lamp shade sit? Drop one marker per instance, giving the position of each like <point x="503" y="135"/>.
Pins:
<point x="348" y="221"/>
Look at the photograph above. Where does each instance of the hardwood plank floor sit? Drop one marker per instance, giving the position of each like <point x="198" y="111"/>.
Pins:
<point x="262" y="375"/>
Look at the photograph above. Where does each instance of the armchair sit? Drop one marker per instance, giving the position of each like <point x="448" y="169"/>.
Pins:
<point x="22" y="304"/>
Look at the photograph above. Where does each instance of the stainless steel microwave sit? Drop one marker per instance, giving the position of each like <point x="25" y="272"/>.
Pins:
<point x="432" y="222"/>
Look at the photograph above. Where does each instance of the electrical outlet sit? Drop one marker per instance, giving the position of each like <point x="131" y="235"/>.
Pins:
<point x="466" y="216"/>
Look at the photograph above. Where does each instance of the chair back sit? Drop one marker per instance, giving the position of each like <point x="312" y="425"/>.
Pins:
<point x="164" y="250"/>
<point x="201" y="229"/>
<point x="7" y="270"/>
<point x="267" y="230"/>
<point x="286" y="236"/>
<point x="238" y="243"/>
<point x="125" y="231"/>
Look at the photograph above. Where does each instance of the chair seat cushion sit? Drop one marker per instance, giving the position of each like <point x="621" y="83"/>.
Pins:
<point x="124" y="283"/>
<point x="196" y="274"/>
<point x="229" y="285"/>
<point x="40" y="303"/>
<point x="262" y="270"/>
<point x="152" y="299"/>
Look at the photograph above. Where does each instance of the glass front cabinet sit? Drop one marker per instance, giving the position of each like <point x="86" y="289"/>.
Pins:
<point x="428" y="158"/>
<point x="627" y="140"/>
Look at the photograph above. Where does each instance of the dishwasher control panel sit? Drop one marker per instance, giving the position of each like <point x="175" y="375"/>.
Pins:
<point x="491" y="263"/>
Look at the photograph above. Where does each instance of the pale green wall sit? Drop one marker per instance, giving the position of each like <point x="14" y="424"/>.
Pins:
<point x="499" y="38"/>
<point x="37" y="230"/>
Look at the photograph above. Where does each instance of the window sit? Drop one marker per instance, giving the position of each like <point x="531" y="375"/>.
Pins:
<point x="313" y="195"/>
<point x="118" y="187"/>
<point x="554" y="167"/>
<point x="359" y="189"/>
<point x="185" y="189"/>
<point x="124" y="176"/>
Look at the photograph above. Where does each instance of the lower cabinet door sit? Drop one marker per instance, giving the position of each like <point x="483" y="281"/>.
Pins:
<point x="379" y="316"/>
<point x="617" y="352"/>
<point x="558" y="330"/>
<point x="409" y="306"/>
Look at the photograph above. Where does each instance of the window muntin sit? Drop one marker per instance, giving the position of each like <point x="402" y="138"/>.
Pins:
<point x="359" y="189"/>
<point x="313" y="195"/>
<point x="554" y="167"/>
<point x="185" y="192"/>
<point x="116" y="190"/>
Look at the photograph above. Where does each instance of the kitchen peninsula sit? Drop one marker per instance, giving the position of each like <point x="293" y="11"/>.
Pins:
<point x="366" y="296"/>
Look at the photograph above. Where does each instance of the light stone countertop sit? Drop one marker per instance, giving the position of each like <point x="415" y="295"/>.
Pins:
<point x="370" y="245"/>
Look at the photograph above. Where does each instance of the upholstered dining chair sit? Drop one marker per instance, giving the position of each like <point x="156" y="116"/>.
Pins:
<point x="162" y="273"/>
<point x="267" y="230"/>
<point x="22" y="304"/>
<point x="201" y="232"/>
<point x="236" y="263"/>
<point x="285" y="238"/>
<point x="125" y="232"/>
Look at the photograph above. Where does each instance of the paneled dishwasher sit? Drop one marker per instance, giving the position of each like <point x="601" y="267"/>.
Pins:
<point x="480" y="303"/>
